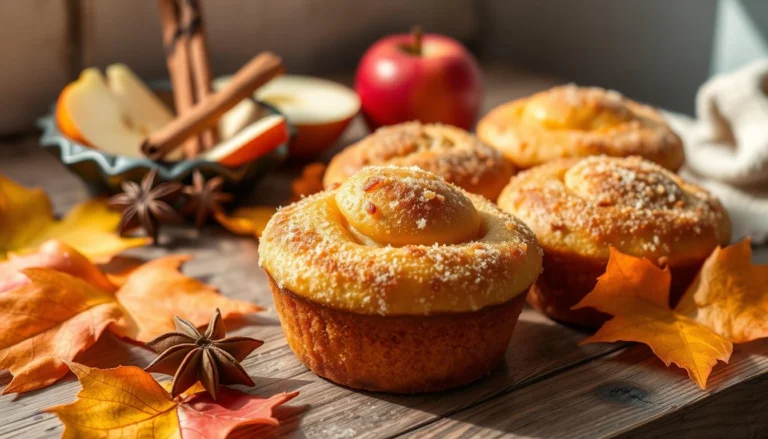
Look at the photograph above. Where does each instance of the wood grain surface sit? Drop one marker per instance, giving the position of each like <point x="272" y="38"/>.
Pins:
<point x="549" y="386"/>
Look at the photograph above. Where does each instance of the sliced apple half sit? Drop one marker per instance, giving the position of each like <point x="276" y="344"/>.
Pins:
<point x="145" y="111"/>
<point x="89" y="112"/>
<point x="112" y="114"/>
<point x="251" y="142"/>
<point x="319" y="109"/>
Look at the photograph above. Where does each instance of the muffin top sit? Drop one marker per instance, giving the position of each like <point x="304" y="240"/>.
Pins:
<point x="570" y="121"/>
<point x="450" y="152"/>
<point x="399" y="241"/>
<point x="587" y="205"/>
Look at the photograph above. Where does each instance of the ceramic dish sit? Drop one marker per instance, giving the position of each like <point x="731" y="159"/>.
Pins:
<point x="103" y="173"/>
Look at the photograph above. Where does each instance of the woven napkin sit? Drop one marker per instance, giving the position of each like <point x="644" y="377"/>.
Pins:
<point x="726" y="146"/>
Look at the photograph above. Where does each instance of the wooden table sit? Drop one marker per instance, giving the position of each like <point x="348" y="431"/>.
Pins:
<point x="549" y="386"/>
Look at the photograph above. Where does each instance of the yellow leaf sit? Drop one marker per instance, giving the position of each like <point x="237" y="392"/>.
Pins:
<point x="126" y="402"/>
<point x="636" y="293"/>
<point x="195" y="389"/>
<point x="121" y="402"/>
<point x="730" y="295"/>
<point x="26" y="221"/>
<point x="247" y="220"/>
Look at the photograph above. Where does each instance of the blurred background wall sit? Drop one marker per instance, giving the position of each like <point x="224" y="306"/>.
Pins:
<point x="658" y="51"/>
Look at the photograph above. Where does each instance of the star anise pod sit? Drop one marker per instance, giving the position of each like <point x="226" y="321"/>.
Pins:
<point x="205" y="198"/>
<point x="146" y="205"/>
<point x="211" y="358"/>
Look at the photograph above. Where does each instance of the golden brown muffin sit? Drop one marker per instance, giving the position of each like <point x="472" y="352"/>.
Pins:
<point x="398" y="281"/>
<point x="579" y="208"/>
<point x="444" y="150"/>
<point x="570" y="121"/>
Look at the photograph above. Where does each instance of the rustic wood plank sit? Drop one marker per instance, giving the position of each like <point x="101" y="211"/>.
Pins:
<point x="610" y="396"/>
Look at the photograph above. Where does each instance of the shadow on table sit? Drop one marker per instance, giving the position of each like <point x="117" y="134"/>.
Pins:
<point x="539" y="349"/>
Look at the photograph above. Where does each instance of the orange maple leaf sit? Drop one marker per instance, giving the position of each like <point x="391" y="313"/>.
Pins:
<point x="309" y="182"/>
<point x="730" y="295"/>
<point x="128" y="402"/>
<point x="50" y="314"/>
<point x="26" y="221"/>
<point x="636" y="293"/>
<point x="247" y="220"/>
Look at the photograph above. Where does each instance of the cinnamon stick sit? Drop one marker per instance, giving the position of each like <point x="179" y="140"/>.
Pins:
<point x="204" y="115"/>
<point x="175" y="42"/>
<point x="192" y="22"/>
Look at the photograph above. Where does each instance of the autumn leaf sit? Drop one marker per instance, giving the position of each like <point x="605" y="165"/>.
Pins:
<point x="156" y="292"/>
<point x="54" y="313"/>
<point x="55" y="255"/>
<point x="309" y="182"/>
<point x="26" y="221"/>
<point x="247" y="220"/>
<point x="128" y="402"/>
<point x="636" y="293"/>
<point x="730" y="295"/>
<point x="51" y="318"/>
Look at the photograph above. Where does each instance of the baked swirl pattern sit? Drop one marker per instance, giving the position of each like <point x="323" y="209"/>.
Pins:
<point x="632" y="204"/>
<point x="570" y="121"/>
<point x="399" y="241"/>
<point x="447" y="151"/>
<point x="579" y="208"/>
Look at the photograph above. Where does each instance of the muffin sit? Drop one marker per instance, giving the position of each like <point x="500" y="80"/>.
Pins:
<point x="397" y="281"/>
<point x="579" y="208"/>
<point x="570" y="121"/>
<point x="444" y="150"/>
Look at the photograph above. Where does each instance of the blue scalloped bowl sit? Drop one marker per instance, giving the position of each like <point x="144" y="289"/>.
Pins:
<point x="103" y="173"/>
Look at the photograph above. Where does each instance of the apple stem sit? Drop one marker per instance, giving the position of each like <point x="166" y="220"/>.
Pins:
<point x="416" y="34"/>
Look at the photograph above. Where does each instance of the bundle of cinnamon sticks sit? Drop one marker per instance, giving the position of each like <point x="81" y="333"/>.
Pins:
<point x="197" y="107"/>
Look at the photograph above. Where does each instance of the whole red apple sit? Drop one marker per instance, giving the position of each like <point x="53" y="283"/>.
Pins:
<point x="430" y="78"/>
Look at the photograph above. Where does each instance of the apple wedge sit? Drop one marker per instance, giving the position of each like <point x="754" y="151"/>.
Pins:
<point x="112" y="114"/>
<point x="320" y="110"/>
<point x="145" y="111"/>
<point x="87" y="111"/>
<point x="251" y="142"/>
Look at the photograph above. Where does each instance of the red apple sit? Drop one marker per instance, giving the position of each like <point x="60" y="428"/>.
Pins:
<point x="430" y="78"/>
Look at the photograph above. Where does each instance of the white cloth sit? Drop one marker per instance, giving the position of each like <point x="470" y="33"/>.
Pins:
<point x="726" y="147"/>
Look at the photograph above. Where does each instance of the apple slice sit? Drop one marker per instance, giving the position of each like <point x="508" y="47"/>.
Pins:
<point x="251" y="142"/>
<point x="238" y="117"/>
<point x="319" y="109"/>
<point x="89" y="112"/>
<point x="144" y="111"/>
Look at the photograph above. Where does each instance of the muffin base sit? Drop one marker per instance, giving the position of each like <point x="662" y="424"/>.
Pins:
<point x="566" y="279"/>
<point x="397" y="354"/>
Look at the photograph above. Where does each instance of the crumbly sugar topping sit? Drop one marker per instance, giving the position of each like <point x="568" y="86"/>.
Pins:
<point x="629" y="203"/>
<point x="313" y="248"/>
<point x="447" y="151"/>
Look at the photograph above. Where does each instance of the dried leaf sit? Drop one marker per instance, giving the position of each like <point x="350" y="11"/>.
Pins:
<point x="120" y="402"/>
<point x="202" y="417"/>
<point x="247" y="220"/>
<point x="156" y="292"/>
<point x="128" y="402"/>
<point x="309" y="182"/>
<point x="730" y="295"/>
<point x="636" y="293"/>
<point x="26" y="221"/>
<point x="51" y="315"/>
<point x="57" y="256"/>
<point x="51" y="318"/>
